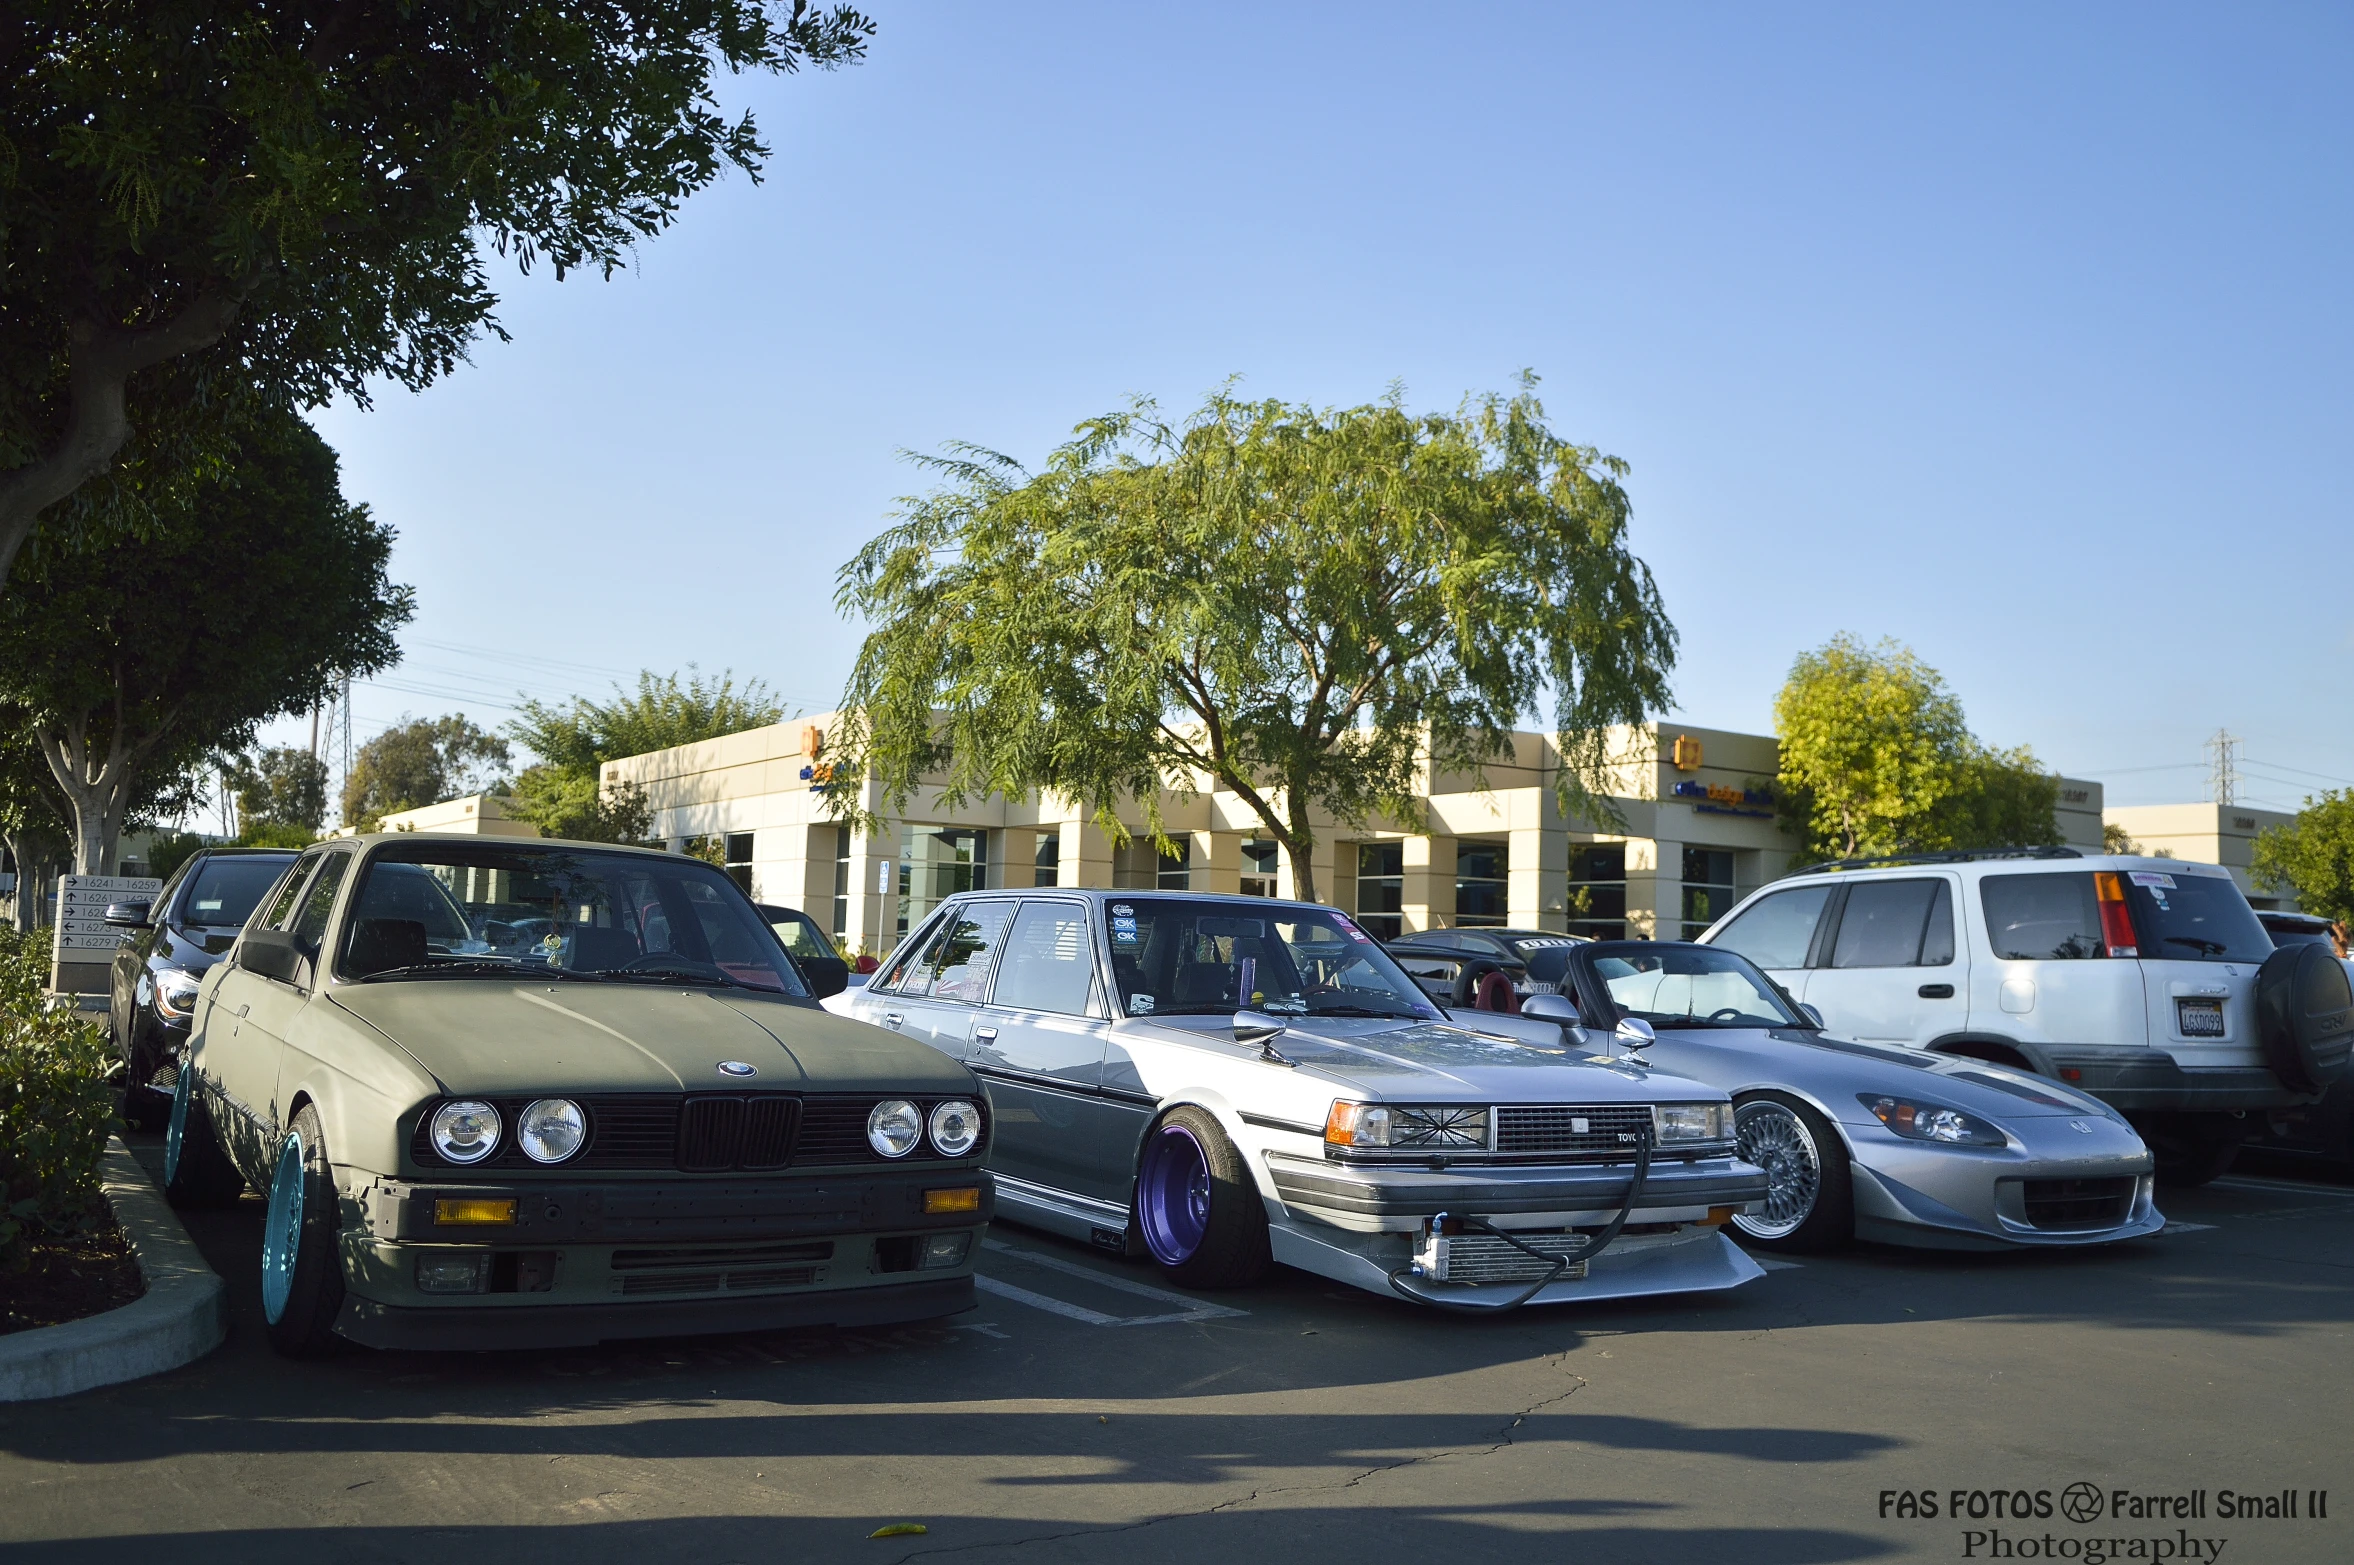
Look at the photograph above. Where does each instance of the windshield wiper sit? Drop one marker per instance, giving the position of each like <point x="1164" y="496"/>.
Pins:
<point x="1362" y="1010"/>
<point x="2212" y="947"/>
<point x="667" y="975"/>
<point x="460" y="965"/>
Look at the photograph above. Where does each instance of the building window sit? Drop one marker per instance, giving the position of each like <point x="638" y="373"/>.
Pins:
<point x="1708" y="888"/>
<point x="935" y="863"/>
<point x="1597" y="901"/>
<point x="1381" y="888"/>
<point x="1261" y="863"/>
<point x="1137" y="866"/>
<point x="1483" y="883"/>
<point x="841" y="883"/>
<point x="739" y="859"/>
<point x="1049" y="863"/>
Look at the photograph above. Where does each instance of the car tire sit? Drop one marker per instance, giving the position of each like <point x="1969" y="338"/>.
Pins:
<point x="302" y="1269"/>
<point x="197" y="1173"/>
<point x="2191" y="1149"/>
<point x="1810" y="1201"/>
<point x="1197" y="1207"/>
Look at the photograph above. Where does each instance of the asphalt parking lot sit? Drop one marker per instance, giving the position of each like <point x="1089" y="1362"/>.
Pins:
<point x="1086" y="1413"/>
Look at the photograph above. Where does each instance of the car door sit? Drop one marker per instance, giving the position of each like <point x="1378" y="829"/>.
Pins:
<point x="940" y="1000"/>
<point x="1889" y="971"/>
<point x="1777" y="932"/>
<point x="240" y="1047"/>
<point x="129" y="981"/>
<point x="276" y="1003"/>
<point x="1040" y="1045"/>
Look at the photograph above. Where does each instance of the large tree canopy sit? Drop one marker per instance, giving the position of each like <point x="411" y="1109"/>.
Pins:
<point x="1302" y="606"/>
<point x="207" y="205"/>
<point x="1876" y="758"/>
<point x="2314" y="855"/>
<point x="564" y="794"/>
<point x="420" y="761"/>
<point x="134" y="658"/>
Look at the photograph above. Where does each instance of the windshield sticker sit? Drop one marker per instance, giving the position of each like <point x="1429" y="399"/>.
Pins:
<point x="1140" y="1005"/>
<point x="2143" y="877"/>
<point x="1351" y="930"/>
<point x="1123" y="910"/>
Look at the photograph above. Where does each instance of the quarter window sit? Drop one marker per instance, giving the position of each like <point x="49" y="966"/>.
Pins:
<point x="967" y="945"/>
<point x="282" y="905"/>
<point x="1046" y="965"/>
<point x="2041" y="918"/>
<point x="310" y="925"/>
<point x="1777" y="930"/>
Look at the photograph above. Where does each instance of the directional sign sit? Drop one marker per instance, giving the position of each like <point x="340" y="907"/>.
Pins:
<point x="82" y="901"/>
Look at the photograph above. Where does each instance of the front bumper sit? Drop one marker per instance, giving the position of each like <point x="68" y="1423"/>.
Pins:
<point x="474" y="1327"/>
<point x="1689" y="1260"/>
<point x="1370" y="1199"/>
<point x="2148" y="1081"/>
<point x="1953" y="1198"/>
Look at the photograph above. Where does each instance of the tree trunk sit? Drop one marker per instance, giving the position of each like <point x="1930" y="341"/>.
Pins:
<point x="20" y="849"/>
<point x="96" y="788"/>
<point x="1301" y="846"/>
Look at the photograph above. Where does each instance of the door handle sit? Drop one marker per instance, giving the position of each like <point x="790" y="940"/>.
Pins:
<point x="1937" y="991"/>
<point x="892" y="1018"/>
<point x="985" y="1034"/>
<point x="241" y="1010"/>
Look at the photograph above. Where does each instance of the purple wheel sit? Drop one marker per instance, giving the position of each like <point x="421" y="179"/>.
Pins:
<point x="1173" y="1195"/>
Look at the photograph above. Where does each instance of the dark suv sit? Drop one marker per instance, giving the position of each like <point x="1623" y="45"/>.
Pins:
<point x="172" y="943"/>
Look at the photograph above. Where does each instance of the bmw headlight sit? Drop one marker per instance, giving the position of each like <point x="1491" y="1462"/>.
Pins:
<point x="894" y="1127"/>
<point x="551" y="1130"/>
<point x="1931" y="1122"/>
<point x="175" y="994"/>
<point x="1425" y="1127"/>
<point x="956" y="1128"/>
<point x="465" y="1131"/>
<point x="1689" y="1122"/>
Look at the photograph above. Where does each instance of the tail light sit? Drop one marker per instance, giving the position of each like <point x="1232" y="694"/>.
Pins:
<point x="2116" y="921"/>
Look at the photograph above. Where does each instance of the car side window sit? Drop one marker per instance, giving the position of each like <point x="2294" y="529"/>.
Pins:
<point x="966" y="949"/>
<point x="310" y="925"/>
<point x="1046" y="964"/>
<point x="2041" y="918"/>
<point x="289" y="890"/>
<point x="1937" y="940"/>
<point x="1776" y="930"/>
<point x="907" y="971"/>
<point x="1884" y="922"/>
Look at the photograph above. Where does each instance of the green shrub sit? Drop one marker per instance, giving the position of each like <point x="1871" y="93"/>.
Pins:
<point x="56" y="1105"/>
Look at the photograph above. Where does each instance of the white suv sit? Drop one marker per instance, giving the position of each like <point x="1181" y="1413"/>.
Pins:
<point x="2133" y="979"/>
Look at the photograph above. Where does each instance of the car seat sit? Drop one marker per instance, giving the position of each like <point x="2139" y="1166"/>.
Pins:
<point x="378" y="945"/>
<point x="594" y="950"/>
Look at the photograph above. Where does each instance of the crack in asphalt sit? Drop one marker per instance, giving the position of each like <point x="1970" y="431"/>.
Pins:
<point x="1506" y="1439"/>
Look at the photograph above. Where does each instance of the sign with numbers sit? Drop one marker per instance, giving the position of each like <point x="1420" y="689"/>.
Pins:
<point x="82" y="901"/>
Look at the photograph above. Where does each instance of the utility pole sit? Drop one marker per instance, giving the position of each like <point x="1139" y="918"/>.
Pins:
<point x="2223" y="772"/>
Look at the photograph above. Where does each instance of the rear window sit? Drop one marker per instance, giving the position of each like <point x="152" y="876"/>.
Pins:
<point x="1776" y="930"/>
<point x="2194" y="918"/>
<point x="225" y="890"/>
<point x="2041" y="918"/>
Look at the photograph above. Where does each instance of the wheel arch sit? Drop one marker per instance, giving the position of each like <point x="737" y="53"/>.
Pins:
<point x="1993" y="1048"/>
<point x="1812" y="1100"/>
<point x="1247" y="1140"/>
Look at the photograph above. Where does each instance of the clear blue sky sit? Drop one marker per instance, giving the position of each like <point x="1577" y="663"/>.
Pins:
<point x="2018" y="333"/>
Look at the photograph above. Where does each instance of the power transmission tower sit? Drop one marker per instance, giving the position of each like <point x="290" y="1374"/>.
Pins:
<point x="342" y="733"/>
<point x="2223" y="771"/>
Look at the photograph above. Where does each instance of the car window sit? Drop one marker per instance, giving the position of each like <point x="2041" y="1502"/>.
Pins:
<point x="966" y="947"/>
<point x="310" y="925"/>
<point x="2041" y="918"/>
<point x="1883" y="923"/>
<point x="1689" y="986"/>
<point x="1937" y="941"/>
<point x="1775" y="931"/>
<point x="282" y="905"/>
<point x="2194" y="918"/>
<point x="1046" y="964"/>
<point x="800" y="934"/>
<point x="223" y="891"/>
<point x="1176" y="956"/>
<point x="908" y="967"/>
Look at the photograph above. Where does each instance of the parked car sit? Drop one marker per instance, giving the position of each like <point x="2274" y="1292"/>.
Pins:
<point x="170" y="944"/>
<point x="2289" y="929"/>
<point x="812" y="950"/>
<point x="1223" y="1083"/>
<point x="640" y="1124"/>
<point x="2324" y="1129"/>
<point x="1860" y="1140"/>
<point x="2135" y="980"/>
<point x="1475" y="969"/>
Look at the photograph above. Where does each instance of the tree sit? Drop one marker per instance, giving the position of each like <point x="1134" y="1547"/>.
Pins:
<point x="2313" y="855"/>
<point x="215" y="208"/>
<point x="136" y="658"/>
<point x="284" y="786"/>
<point x="35" y="820"/>
<point x="563" y="795"/>
<point x="420" y="761"/>
<point x="2116" y="839"/>
<point x="1303" y="607"/>
<point x="1876" y="758"/>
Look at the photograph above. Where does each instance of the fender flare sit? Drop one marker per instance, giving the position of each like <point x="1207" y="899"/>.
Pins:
<point x="1959" y="1044"/>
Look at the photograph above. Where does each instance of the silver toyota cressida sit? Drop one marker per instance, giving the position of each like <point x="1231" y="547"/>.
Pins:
<point x="1227" y="1082"/>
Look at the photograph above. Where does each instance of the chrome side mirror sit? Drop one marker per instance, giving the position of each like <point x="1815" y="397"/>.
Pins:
<point x="1256" y="1027"/>
<point x="1633" y="1035"/>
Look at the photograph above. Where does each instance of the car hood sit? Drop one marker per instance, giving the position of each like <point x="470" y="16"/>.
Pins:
<point x="1403" y="1060"/>
<point x="1835" y="1070"/>
<point x="491" y="1036"/>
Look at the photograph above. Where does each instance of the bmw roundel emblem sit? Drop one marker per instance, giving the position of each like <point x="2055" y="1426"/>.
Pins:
<point x="737" y="1068"/>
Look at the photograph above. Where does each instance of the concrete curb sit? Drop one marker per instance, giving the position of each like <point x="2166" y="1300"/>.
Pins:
<point x="180" y="1318"/>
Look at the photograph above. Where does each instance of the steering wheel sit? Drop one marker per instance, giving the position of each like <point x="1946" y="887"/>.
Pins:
<point x="1728" y="1014"/>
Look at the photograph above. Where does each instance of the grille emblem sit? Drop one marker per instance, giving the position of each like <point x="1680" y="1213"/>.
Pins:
<point x="737" y="1068"/>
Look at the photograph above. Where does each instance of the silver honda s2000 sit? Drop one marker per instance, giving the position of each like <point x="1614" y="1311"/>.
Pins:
<point x="1858" y="1140"/>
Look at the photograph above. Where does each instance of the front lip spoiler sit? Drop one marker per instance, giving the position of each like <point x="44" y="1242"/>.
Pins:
<point x="1402" y="1192"/>
<point x="476" y="1327"/>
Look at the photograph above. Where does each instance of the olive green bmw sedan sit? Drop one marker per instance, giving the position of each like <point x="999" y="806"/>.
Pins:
<point x="509" y="1092"/>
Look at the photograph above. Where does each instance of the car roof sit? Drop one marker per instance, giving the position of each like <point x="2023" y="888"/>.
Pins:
<point x="1997" y="864"/>
<point x="479" y="840"/>
<point x="2276" y="915"/>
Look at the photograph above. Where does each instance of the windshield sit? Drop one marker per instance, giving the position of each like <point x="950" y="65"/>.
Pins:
<point x="1173" y="956"/>
<point x="225" y="889"/>
<point x="461" y="910"/>
<point x="1690" y="986"/>
<point x="2194" y="918"/>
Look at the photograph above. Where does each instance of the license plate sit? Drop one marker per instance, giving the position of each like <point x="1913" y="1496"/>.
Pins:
<point x="2199" y="1018"/>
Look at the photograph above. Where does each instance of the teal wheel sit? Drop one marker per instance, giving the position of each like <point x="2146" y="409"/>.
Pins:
<point x="302" y="1271"/>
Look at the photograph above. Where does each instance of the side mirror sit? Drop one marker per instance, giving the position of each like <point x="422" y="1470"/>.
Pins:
<point x="1634" y="1035"/>
<point x="274" y="953"/>
<point x="1810" y="1013"/>
<point x="1256" y="1027"/>
<point x="1551" y="1008"/>
<point x="128" y="915"/>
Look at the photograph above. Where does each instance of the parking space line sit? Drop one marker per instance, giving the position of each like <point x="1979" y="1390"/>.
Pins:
<point x="2281" y="1187"/>
<point x="1039" y="1301"/>
<point x="1193" y="1309"/>
<point x="2173" y="1227"/>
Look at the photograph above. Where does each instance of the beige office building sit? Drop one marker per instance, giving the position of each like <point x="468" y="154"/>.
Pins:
<point x="2222" y="834"/>
<point x="1696" y="832"/>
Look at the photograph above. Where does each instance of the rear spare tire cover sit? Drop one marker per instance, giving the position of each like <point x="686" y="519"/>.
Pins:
<point x="2305" y="1016"/>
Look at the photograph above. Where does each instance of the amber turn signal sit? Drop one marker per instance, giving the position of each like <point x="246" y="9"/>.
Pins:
<point x="965" y="1199"/>
<point x="473" y="1211"/>
<point x="1717" y="1217"/>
